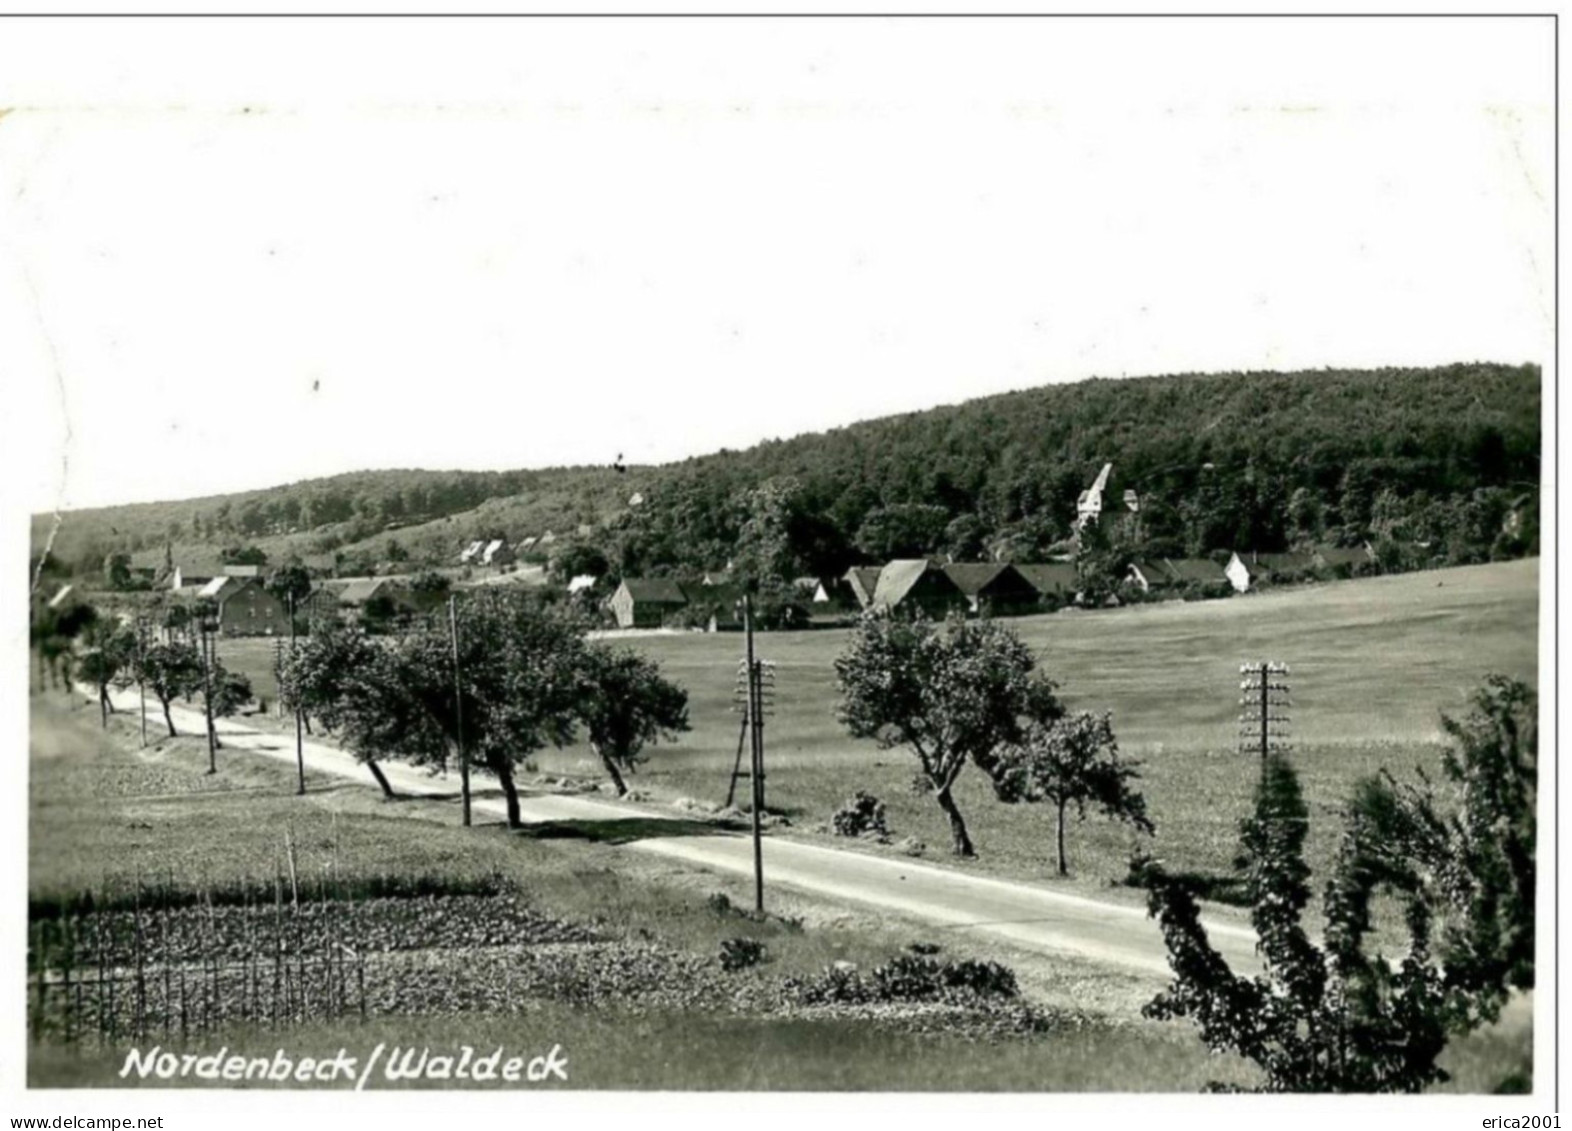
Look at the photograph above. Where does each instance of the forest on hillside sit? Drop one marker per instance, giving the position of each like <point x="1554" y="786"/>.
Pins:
<point x="1443" y="459"/>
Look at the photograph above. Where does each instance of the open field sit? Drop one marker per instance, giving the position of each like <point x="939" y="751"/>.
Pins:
<point x="102" y="811"/>
<point x="1374" y="663"/>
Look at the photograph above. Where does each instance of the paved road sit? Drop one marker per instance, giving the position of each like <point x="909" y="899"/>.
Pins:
<point x="1029" y="916"/>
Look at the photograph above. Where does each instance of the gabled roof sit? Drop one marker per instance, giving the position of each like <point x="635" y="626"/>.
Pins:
<point x="1287" y="562"/>
<point x="359" y="590"/>
<point x="215" y="587"/>
<point x="863" y="581"/>
<point x="1151" y="573"/>
<point x="713" y="595"/>
<point x="1049" y="577"/>
<point x="655" y="590"/>
<point x="972" y="578"/>
<point x="899" y="578"/>
<point x="470" y="550"/>
<point x="1193" y="569"/>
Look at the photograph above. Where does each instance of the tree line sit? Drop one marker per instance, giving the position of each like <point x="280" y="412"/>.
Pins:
<point x="1441" y="464"/>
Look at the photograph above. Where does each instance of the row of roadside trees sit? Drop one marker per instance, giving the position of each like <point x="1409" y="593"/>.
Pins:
<point x="489" y="687"/>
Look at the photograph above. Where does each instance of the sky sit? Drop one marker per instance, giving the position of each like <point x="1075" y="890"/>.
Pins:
<point x="236" y="254"/>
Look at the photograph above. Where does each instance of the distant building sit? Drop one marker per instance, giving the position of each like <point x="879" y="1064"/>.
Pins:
<point x="1055" y="582"/>
<point x="497" y="553"/>
<point x="1168" y="572"/>
<point x="718" y="606"/>
<point x="375" y="597"/>
<point x="811" y="589"/>
<point x="582" y="582"/>
<point x="996" y="588"/>
<point x="1249" y="569"/>
<point x="916" y="583"/>
<point x="646" y="602"/>
<point x="1089" y="506"/>
<point x="245" y="607"/>
<point x="470" y="554"/>
<point x="863" y="580"/>
<point x="65" y="597"/>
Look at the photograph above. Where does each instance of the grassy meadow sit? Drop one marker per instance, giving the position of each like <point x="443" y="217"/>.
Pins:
<point x="104" y="813"/>
<point x="1374" y="662"/>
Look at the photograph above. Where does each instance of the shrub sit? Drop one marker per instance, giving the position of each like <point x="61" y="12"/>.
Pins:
<point x="910" y="978"/>
<point x="740" y="953"/>
<point x="862" y="814"/>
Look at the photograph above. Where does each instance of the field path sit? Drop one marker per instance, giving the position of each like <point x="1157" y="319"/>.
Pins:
<point x="1028" y="916"/>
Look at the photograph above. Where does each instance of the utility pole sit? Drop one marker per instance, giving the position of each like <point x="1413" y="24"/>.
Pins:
<point x="757" y="777"/>
<point x="458" y="707"/>
<point x="141" y="667"/>
<point x="1264" y="703"/>
<point x="207" y="690"/>
<point x="300" y="740"/>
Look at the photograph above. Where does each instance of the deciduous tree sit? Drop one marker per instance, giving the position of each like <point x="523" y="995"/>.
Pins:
<point x="1069" y="761"/>
<point x="170" y="671"/>
<point x="626" y="705"/>
<point x="951" y="693"/>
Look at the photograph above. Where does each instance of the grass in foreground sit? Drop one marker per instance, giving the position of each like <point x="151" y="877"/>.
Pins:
<point x="101" y="810"/>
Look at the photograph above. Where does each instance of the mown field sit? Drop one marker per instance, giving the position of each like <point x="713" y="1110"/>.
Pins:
<point x="1374" y="663"/>
<point x="647" y="1006"/>
<point x="104" y="814"/>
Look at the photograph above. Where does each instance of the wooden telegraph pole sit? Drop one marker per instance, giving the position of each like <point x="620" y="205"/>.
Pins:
<point x="757" y="775"/>
<point x="207" y="690"/>
<point x="141" y="668"/>
<point x="300" y="738"/>
<point x="458" y="708"/>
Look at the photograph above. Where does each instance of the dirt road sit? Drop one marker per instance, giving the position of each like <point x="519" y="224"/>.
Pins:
<point x="1028" y="916"/>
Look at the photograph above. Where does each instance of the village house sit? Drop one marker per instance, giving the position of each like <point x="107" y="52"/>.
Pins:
<point x="1251" y="568"/>
<point x="1168" y="573"/>
<point x="916" y="583"/>
<point x="994" y="588"/>
<point x="715" y="606"/>
<point x="646" y="602"/>
<point x="862" y="581"/>
<point x="245" y="607"/>
<point x="1056" y="583"/>
<point x="497" y="553"/>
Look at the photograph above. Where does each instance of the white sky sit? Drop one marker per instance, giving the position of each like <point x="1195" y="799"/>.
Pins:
<point x="242" y="253"/>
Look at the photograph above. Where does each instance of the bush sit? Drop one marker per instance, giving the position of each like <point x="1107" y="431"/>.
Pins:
<point x="911" y="978"/>
<point x="862" y="814"/>
<point x="740" y="953"/>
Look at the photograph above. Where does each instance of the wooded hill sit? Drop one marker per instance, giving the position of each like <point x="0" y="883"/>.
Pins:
<point x="1447" y="457"/>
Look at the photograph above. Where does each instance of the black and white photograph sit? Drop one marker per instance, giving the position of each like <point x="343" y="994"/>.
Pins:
<point x="1000" y="561"/>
